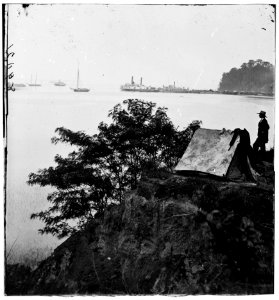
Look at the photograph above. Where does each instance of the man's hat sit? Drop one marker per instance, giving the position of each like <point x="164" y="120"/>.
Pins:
<point x="262" y="113"/>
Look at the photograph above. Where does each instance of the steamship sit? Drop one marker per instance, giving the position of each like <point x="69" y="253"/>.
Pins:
<point x="133" y="87"/>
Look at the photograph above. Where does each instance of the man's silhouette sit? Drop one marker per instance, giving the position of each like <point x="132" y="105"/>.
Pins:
<point x="262" y="138"/>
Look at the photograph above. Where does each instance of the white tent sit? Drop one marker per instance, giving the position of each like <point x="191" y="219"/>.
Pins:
<point x="209" y="152"/>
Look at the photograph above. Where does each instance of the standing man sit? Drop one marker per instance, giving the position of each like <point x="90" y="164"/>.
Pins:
<point x="262" y="133"/>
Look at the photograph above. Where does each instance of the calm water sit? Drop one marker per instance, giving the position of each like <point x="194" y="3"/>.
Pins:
<point x="35" y="113"/>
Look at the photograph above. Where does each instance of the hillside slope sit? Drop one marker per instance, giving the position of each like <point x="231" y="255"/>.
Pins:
<point x="172" y="235"/>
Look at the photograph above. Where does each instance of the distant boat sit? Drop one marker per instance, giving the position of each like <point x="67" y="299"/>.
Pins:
<point x="18" y="86"/>
<point x="78" y="89"/>
<point x="133" y="87"/>
<point x="59" y="83"/>
<point x="35" y="83"/>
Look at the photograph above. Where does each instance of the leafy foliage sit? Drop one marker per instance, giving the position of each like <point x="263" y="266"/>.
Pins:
<point x="107" y="164"/>
<point x="254" y="76"/>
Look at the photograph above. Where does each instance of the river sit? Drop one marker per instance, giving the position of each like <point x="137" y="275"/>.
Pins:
<point x="35" y="113"/>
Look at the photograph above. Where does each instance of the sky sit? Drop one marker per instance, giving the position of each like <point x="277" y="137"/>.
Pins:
<point x="190" y="45"/>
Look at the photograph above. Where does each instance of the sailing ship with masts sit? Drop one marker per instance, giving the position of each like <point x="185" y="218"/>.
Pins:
<point x="78" y="89"/>
<point x="35" y="83"/>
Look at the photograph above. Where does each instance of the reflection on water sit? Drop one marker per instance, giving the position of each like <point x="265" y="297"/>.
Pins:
<point x="35" y="113"/>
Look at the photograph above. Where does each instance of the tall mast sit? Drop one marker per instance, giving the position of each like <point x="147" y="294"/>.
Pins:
<point x="77" y="77"/>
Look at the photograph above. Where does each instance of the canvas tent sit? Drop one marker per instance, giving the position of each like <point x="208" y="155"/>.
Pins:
<point x="209" y="152"/>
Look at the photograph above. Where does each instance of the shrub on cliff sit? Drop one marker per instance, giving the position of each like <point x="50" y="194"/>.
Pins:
<point x="103" y="166"/>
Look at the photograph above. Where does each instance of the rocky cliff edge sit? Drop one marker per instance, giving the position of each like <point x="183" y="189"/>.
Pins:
<point x="172" y="235"/>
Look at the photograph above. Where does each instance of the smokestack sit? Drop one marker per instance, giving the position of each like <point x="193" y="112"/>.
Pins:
<point x="174" y="84"/>
<point x="132" y="80"/>
<point x="141" y="81"/>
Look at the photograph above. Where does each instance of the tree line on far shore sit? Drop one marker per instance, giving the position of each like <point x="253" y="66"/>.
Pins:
<point x="256" y="76"/>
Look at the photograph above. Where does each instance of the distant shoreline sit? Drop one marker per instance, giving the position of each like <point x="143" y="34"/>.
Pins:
<point x="253" y="94"/>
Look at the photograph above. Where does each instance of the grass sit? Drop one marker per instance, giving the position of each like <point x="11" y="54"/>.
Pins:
<point x="31" y="257"/>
